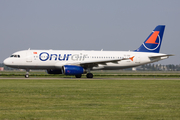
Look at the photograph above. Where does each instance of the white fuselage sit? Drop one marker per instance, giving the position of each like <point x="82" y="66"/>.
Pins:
<point x="55" y="59"/>
<point x="76" y="63"/>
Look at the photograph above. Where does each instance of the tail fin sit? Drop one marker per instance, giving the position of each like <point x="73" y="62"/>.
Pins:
<point x="154" y="40"/>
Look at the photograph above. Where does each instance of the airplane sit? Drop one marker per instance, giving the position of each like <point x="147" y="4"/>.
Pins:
<point x="70" y="62"/>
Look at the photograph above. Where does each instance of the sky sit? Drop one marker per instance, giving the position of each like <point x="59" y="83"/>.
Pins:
<point x="111" y="25"/>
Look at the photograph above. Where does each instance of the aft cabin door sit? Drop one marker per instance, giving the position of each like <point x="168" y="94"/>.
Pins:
<point x="28" y="56"/>
<point x="137" y="59"/>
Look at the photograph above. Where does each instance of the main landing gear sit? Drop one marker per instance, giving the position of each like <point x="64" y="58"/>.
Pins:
<point x="78" y="76"/>
<point x="88" y="75"/>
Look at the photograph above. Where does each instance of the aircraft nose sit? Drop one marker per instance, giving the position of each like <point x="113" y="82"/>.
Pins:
<point x="6" y="62"/>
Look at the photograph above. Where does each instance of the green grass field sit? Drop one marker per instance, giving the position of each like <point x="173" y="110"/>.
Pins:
<point x="78" y="99"/>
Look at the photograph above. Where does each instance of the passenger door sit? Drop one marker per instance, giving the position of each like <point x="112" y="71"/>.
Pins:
<point x="28" y="56"/>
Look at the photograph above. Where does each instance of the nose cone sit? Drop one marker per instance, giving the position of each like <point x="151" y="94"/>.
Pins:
<point x="7" y="62"/>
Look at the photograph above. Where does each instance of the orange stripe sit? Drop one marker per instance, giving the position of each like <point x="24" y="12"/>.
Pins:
<point x="153" y="37"/>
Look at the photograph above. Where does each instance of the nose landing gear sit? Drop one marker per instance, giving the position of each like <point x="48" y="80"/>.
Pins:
<point x="27" y="73"/>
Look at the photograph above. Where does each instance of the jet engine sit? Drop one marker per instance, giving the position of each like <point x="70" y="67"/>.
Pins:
<point x="73" y="70"/>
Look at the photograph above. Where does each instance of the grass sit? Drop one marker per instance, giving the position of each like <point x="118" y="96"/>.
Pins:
<point x="78" y="99"/>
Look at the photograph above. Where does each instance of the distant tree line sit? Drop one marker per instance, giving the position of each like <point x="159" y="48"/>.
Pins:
<point x="159" y="67"/>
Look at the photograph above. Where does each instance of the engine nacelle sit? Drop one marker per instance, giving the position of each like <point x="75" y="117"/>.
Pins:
<point x="54" y="71"/>
<point x="72" y="70"/>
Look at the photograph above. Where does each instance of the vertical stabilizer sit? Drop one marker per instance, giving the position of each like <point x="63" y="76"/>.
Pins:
<point x="153" y="41"/>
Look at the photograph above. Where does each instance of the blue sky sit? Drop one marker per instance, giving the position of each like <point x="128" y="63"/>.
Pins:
<point x="117" y="25"/>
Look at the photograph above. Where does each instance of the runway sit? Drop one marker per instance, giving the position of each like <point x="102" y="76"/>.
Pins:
<point x="69" y="78"/>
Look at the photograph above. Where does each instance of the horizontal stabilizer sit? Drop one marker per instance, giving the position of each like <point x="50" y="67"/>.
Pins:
<point x="158" y="56"/>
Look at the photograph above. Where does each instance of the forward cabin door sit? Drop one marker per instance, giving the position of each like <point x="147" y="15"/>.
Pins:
<point x="28" y="56"/>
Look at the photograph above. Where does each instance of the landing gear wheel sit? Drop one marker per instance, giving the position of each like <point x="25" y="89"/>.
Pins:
<point x="26" y="76"/>
<point x="78" y="76"/>
<point x="27" y="73"/>
<point x="89" y="75"/>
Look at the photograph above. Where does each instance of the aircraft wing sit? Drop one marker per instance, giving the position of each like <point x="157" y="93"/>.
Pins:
<point x="88" y="64"/>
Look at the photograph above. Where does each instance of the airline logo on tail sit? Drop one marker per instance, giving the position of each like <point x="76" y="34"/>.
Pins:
<point x="153" y="42"/>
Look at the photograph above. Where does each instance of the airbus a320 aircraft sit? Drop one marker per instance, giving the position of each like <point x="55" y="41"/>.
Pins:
<point x="76" y="63"/>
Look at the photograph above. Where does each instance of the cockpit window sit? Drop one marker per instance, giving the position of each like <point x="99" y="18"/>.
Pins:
<point x="16" y="56"/>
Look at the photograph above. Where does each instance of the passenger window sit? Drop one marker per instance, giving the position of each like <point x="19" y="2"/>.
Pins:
<point x="18" y="56"/>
